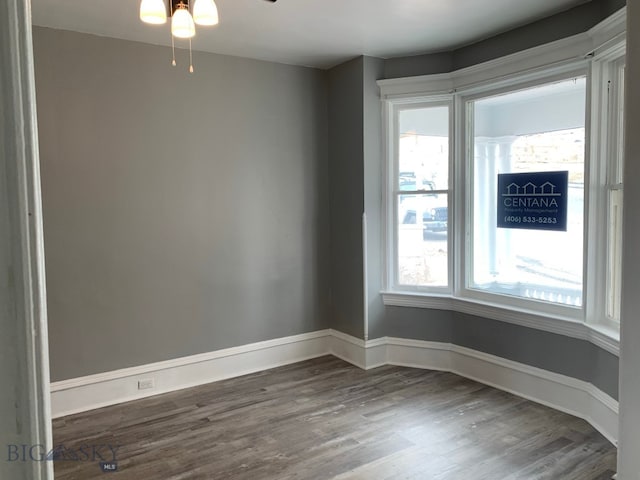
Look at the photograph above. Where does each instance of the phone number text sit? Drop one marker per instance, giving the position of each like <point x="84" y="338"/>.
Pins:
<point x="514" y="219"/>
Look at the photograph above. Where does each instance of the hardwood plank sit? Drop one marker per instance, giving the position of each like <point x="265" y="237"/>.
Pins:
<point x="326" y="419"/>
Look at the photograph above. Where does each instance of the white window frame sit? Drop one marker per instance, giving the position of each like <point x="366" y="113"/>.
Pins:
<point x="607" y="151"/>
<point x="535" y="66"/>
<point x="564" y="312"/>
<point x="393" y="109"/>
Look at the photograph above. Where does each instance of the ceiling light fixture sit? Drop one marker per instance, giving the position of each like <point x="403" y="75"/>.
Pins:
<point x="153" y="11"/>
<point x="183" y="22"/>
<point x="182" y="25"/>
<point x="205" y="12"/>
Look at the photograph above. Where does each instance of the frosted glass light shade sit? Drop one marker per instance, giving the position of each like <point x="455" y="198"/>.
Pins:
<point x="182" y="25"/>
<point x="153" y="11"/>
<point x="205" y="12"/>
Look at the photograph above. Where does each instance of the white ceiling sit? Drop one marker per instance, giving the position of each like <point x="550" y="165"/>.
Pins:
<point x="319" y="33"/>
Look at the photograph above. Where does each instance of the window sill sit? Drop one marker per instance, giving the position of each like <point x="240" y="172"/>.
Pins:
<point x="605" y="338"/>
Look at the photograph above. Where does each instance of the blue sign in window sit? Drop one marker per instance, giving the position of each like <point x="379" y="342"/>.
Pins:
<point x="535" y="201"/>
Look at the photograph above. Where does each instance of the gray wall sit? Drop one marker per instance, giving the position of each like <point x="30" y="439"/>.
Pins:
<point x="564" y="24"/>
<point x="356" y="170"/>
<point x="374" y="172"/>
<point x="628" y="458"/>
<point x="556" y="353"/>
<point x="346" y="171"/>
<point x="182" y="213"/>
<point x="427" y="64"/>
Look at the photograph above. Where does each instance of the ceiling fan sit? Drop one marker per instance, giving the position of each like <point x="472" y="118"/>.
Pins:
<point x="184" y="18"/>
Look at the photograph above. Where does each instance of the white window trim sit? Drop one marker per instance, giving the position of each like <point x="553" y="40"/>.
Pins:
<point x="532" y="66"/>
<point x="601" y="146"/>
<point x="561" y="72"/>
<point x="391" y="114"/>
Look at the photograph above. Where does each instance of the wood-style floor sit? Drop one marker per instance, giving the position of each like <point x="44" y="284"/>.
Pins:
<point x="326" y="419"/>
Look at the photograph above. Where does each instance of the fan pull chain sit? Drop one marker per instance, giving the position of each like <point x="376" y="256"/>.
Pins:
<point x="173" y="51"/>
<point x="190" y="58"/>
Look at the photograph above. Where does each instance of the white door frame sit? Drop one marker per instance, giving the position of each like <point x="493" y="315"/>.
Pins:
<point x="629" y="417"/>
<point x="25" y="413"/>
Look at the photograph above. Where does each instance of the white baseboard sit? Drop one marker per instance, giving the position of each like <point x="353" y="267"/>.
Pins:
<point x="567" y="394"/>
<point x="366" y="355"/>
<point x="103" y="389"/>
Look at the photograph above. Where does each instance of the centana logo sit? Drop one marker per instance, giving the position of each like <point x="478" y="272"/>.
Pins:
<point x="531" y="195"/>
<point x="532" y="200"/>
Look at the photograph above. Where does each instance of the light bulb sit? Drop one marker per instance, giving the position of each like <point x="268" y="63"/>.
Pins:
<point x="182" y="25"/>
<point x="153" y="11"/>
<point x="205" y="12"/>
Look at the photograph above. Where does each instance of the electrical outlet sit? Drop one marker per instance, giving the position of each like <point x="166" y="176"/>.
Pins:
<point x="146" y="384"/>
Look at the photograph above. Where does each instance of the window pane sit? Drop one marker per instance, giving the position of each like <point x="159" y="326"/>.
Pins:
<point x="539" y="129"/>
<point x="422" y="240"/>
<point x="423" y="162"/>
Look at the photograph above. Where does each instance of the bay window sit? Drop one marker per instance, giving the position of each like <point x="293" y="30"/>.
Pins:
<point x="542" y="249"/>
